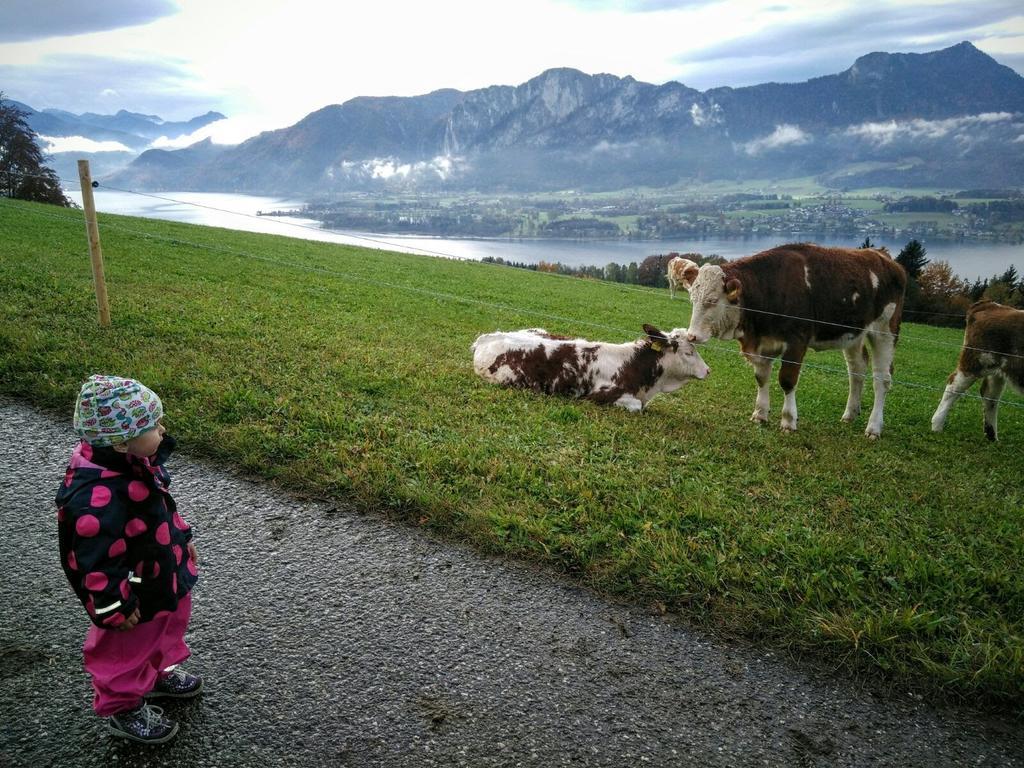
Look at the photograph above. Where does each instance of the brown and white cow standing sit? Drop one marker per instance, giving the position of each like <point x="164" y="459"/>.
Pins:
<point x="676" y="273"/>
<point x="627" y="375"/>
<point x="789" y="299"/>
<point x="993" y="351"/>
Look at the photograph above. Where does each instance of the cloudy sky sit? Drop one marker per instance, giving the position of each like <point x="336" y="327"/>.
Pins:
<point x="268" y="63"/>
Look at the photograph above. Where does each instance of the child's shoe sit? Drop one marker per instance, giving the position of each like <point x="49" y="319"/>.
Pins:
<point x="145" y="724"/>
<point x="179" y="684"/>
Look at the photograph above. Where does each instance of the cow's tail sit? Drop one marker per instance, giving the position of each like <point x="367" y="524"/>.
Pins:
<point x="896" y="320"/>
<point x="897" y="317"/>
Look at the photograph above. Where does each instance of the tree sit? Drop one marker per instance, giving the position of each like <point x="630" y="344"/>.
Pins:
<point x="23" y="173"/>
<point x="867" y="243"/>
<point x="1009" y="277"/>
<point x="631" y="273"/>
<point x="937" y="281"/>
<point x="941" y="292"/>
<point x="912" y="258"/>
<point x="652" y="270"/>
<point x="1000" y="292"/>
<point x="977" y="289"/>
<point x="1006" y="289"/>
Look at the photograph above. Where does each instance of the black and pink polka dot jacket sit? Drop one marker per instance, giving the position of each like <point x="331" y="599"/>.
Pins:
<point x="122" y="541"/>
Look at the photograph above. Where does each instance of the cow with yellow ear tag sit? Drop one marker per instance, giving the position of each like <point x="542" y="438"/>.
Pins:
<point x="627" y="375"/>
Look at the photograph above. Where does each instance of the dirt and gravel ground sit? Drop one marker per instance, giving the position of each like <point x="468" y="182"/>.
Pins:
<point x="333" y="638"/>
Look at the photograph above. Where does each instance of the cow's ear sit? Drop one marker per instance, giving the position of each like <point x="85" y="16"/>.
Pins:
<point x="690" y="272"/>
<point x="732" y="290"/>
<point x="657" y="338"/>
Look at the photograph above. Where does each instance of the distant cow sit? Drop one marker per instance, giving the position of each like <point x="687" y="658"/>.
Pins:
<point x="993" y="351"/>
<point x="627" y="375"/>
<point x="676" y="271"/>
<point x="785" y="300"/>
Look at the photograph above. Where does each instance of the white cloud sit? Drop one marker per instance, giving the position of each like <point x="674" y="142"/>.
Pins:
<point x="783" y="135"/>
<point x="887" y="132"/>
<point x="55" y="144"/>
<point x="182" y="63"/>
<point x="26" y="20"/>
<point x="227" y="131"/>
<point x="608" y="146"/>
<point x="388" y="168"/>
<point x="385" y="169"/>
<point x="801" y="39"/>
<point x="87" y="82"/>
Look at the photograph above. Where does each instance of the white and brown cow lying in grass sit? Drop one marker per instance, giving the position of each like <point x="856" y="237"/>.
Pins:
<point x="784" y="301"/>
<point x="627" y="375"/>
<point x="993" y="351"/>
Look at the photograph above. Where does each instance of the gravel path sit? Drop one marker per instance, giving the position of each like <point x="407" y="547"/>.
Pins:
<point x="332" y="638"/>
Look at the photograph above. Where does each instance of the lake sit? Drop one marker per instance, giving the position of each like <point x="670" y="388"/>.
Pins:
<point x="969" y="260"/>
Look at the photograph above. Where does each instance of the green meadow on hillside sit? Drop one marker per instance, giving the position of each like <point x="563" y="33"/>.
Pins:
<point x="346" y="373"/>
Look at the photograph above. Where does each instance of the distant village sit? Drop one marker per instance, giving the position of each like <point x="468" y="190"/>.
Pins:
<point x="969" y="215"/>
<point x="934" y="294"/>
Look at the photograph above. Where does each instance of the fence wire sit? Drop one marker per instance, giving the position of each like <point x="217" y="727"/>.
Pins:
<point x="713" y="345"/>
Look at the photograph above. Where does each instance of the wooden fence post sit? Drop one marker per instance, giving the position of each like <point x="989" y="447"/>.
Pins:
<point x="95" y="252"/>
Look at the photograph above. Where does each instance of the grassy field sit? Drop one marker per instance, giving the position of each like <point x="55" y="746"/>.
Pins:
<point x="864" y="203"/>
<point x="903" y="220"/>
<point x="346" y="373"/>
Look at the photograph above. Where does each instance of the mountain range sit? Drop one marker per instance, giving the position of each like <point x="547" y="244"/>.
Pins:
<point x="953" y="117"/>
<point x="110" y="142"/>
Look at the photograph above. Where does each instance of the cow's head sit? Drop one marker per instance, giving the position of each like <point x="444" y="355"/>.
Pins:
<point x="677" y="356"/>
<point x="716" y="304"/>
<point x="683" y="271"/>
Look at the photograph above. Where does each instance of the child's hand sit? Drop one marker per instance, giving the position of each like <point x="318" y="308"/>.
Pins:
<point x="130" y="622"/>
<point x="192" y="553"/>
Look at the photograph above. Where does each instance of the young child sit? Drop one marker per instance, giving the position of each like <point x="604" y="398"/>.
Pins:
<point x="129" y="557"/>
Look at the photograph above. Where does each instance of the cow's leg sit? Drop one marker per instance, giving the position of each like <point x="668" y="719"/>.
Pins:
<point x="959" y="382"/>
<point x="857" y="366"/>
<point x="789" y="375"/>
<point x="763" y="375"/>
<point x="883" y="345"/>
<point x="992" y="389"/>
<point x="671" y="289"/>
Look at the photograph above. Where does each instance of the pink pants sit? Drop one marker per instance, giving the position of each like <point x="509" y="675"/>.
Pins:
<point x="126" y="665"/>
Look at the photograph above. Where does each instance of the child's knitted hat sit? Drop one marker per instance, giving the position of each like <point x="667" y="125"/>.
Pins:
<point x="112" y="410"/>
